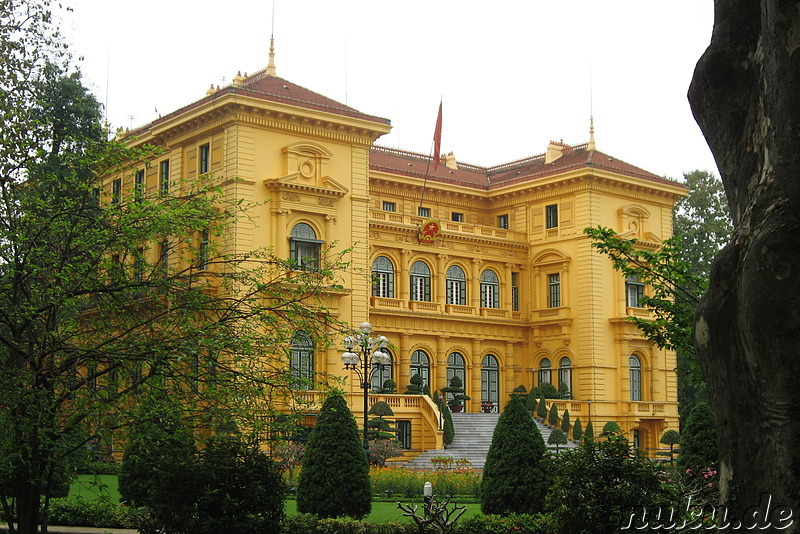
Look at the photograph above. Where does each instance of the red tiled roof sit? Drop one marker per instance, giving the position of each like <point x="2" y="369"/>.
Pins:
<point x="274" y="89"/>
<point x="488" y="178"/>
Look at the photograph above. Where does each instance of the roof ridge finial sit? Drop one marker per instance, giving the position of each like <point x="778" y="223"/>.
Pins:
<point x="590" y="145"/>
<point x="271" y="64"/>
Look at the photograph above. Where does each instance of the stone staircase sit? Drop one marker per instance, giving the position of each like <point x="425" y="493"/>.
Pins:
<point x="473" y="436"/>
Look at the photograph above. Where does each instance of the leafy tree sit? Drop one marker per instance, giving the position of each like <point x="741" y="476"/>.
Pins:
<point x="389" y="387"/>
<point x="549" y="391"/>
<point x="671" y="438"/>
<point x="158" y="469"/>
<point x="563" y="390"/>
<point x="557" y="437"/>
<point x="699" y="439"/>
<point x="383" y="449"/>
<point x="596" y="485"/>
<point x="577" y="430"/>
<point x="334" y="481"/>
<point x="241" y="491"/>
<point x="515" y="477"/>
<point x="553" y="417"/>
<point x="565" y="424"/>
<point x="104" y="304"/>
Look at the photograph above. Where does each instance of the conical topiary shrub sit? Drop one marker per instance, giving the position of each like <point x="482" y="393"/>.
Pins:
<point x="541" y="408"/>
<point x="515" y="477"/>
<point x="334" y="481"/>
<point x="553" y="417"/>
<point x="671" y="438"/>
<point x="609" y="429"/>
<point x="565" y="424"/>
<point x="577" y="430"/>
<point x="557" y="438"/>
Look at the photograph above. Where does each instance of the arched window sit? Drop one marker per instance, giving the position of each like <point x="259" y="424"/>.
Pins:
<point x="301" y="365"/>
<point x="420" y="282"/>
<point x="544" y="372"/>
<point x="304" y="247"/>
<point x="565" y="375"/>
<point x="383" y="372"/>
<point x="636" y="378"/>
<point x="490" y="289"/>
<point x="456" y="286"/>
<point x="490" y="382"/>
<point x="420" y="365"/>
<point x="382" y="277"/>
<point x="455" y="367"/>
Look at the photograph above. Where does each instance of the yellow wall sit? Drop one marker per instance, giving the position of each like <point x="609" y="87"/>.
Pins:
<point x="300" y="165"/>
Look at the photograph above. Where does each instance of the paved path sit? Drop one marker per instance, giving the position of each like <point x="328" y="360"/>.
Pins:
<point x="80" y="530"/>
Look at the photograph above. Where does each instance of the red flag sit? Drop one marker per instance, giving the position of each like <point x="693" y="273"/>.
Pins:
<point x="437" y="138"/>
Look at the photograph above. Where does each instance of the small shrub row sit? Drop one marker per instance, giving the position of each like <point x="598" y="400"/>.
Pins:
<point x="409" y="483"/>
<point x="311" y="524"/>
<point x="503" y="524"/>
<point x="99" y="468"/>
<point x="101" y="514"/>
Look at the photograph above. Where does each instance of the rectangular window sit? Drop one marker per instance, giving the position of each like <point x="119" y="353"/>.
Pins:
<point x="388" y="206"/>
<point x="138" y="185"/>
<point x="203" y="156"/>
<point x="202" y="256"/>
<point x="502" y="222"/>
<point x="514" y="291"/>
<point x="635" y="291"/>
<point x="457" y="292"/>
<point x="404" y="434"/>
<point x="554" y="282"/>
<point x="164" y="181"/>
<point x="420" y="288"/>
<point x="551" y="216"/>
<point x="457" y="217"/>
<point x="423" y="212"/>
<point x="383" y="285"/>
<point x="116" y="190"/>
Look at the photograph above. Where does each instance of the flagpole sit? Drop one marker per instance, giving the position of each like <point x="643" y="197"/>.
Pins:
<point x="435" y="150"/>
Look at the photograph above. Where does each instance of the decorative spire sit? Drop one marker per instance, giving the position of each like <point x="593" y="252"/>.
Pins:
<point x="590" y="146"/>
<point x="271" y="64"/>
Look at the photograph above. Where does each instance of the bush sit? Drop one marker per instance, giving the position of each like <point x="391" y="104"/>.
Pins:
<point x="503" y="524"/>
<point x="565" y="426"/>
<point x="596" y="485"/>
<point x="549" y="391"/>
<point x="456" y="389"/>
<point x="589" y="434"/>
<point x="671" y="438"/>
<point x="557" y="438"/>
<point x="159" y="467"/>
<point x="699" y="439"/>
<point x="382" y="449"/>
<point x="100" y="514"/>
<point x="515" y="477"/>
<point x="241" y="491"/>
<point x="577" y="430"/>
<point x="530" y="401"/>
<point x="541" y="408"/>
<point x="311" y="524"/>
<point x="610" y="428"/>
<point x="334" y="481"/>
<point x="416" y="386"/>
<point x="553" y="417"/>
<point x="447" y="419"/>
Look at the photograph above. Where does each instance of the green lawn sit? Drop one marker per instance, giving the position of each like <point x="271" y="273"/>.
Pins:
<point x="94" y="487"/>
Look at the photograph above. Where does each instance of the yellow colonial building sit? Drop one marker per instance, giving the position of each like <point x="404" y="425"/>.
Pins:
<point x="478" y="272"/>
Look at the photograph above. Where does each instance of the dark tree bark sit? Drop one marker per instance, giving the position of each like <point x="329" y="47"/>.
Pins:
<point x="745" y="96"/>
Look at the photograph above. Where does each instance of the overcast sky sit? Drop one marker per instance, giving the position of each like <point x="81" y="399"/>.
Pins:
<point x="512" y="76"/>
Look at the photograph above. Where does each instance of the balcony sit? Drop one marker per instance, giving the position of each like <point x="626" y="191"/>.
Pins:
<point x="448" y="227"/>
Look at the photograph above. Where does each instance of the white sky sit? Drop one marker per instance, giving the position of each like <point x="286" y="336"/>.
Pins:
<point x="512" y="76"/>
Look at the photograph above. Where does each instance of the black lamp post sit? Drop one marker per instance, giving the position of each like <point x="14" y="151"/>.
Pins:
<point x="365" y="356"/>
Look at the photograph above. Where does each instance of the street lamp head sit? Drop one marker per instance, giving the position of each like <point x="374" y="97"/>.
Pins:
<point x="382" y="357"/>
<point x="383" y="342"/>
<point x="350" y="359"/>
<point x="350" y="342"/>
<point x="365" y="328"/>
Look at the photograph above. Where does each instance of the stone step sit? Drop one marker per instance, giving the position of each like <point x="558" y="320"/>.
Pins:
<point x="473" y="437"/>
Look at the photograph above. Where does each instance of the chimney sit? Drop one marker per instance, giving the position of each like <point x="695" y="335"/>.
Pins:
<point x="554" y="151"/>
<point x="450" y="162"/>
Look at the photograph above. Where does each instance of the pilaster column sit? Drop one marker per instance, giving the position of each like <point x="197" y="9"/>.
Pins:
<point x="440" y="364"/>
<point x="280" y="233"/>
<point x="441" y="277"/>
<point x="402" y="281"/>
<point x="474" y="376"/>
<point x="404" y="361"/>
<point x="475" y="283"/>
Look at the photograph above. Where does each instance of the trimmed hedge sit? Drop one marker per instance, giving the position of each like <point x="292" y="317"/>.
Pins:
<point x="311" y="524"/>
<point x="101" y="514"/>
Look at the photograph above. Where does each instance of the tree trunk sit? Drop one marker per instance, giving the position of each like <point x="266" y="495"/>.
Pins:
<point x="745" y="95"/>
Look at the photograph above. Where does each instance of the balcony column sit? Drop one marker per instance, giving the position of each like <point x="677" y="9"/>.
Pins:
<point x="404" y="364"/>
<point x="441" y="279"/>
<point x="402" y="282"/>
<point x="440" y="364"/>
<point x="280" y="233"/>
<point x="505" y="288"/>
<point x="475" y="284"/>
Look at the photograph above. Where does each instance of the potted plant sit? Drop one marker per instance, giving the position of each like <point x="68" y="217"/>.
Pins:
<point x="456" y="389"/>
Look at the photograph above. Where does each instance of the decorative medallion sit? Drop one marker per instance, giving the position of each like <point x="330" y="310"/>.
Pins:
<point x="429" y="232"/>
